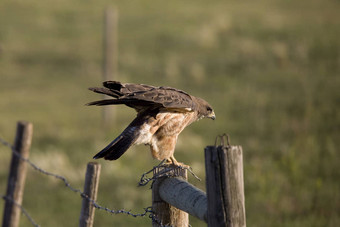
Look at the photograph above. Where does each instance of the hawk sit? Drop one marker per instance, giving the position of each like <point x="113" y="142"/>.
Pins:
<point x="162" y="114"/>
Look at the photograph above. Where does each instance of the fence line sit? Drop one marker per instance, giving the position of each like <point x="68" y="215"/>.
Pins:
<point x="147" y="211"/>
<point x="224" y="183"/>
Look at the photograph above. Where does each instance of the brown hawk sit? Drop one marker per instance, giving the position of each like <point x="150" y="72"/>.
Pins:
<point x="162" y="113"/>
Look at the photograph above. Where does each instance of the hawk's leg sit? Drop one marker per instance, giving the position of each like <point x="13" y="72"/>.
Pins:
<point x="174" y="162"/>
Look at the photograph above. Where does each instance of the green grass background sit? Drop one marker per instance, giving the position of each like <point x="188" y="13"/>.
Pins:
<point x="271" y="70"/>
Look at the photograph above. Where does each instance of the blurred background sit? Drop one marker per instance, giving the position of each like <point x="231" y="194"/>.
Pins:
<point x="270" y="69"/>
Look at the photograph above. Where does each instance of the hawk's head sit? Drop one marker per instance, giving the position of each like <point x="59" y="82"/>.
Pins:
<point x="204" y="109"/>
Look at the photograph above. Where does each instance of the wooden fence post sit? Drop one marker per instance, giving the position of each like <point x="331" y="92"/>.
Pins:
<point x="110" y="55"/>
<point x="164" y="212"/>
<point x="90" y="189"/>
<point x="225" y="186"/>
<point x="17" y="174"/>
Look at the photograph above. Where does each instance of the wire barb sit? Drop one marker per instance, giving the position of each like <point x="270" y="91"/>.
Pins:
<point x="222" y="138"/>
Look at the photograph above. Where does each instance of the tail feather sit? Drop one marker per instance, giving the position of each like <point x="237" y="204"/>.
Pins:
<point x="127" y="101"/>
<point x="120" y="145"/>
<point x="109" y="102"/>
<point x="106" y="91"/>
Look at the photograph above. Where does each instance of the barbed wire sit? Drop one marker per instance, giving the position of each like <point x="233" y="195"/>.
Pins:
<point x="167" y="172"/>
<point x="23" y="210"/>
<point x="147" y="210"/>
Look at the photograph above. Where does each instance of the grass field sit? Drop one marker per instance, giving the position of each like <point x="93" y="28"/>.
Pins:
<point x="270" y="69"/>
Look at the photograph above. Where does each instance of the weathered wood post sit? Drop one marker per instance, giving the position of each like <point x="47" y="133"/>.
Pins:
<point x="17" y="174"/>
<point x="164" y="212"/>
<point x="225" y="186"/>
<point x="90" y="189"/>
<point x="110" y="55"/>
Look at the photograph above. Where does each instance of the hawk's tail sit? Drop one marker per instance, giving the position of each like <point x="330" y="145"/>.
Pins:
<point x="120" y="145"/>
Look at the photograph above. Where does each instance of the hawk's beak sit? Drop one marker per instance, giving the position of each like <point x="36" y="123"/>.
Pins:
<point x="212" y="115"/>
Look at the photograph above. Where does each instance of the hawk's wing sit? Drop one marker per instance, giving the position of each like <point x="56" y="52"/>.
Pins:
<point x="141" y="96"/>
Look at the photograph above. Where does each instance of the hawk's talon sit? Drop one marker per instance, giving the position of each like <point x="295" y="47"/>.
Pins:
<point x="175" y="163"/>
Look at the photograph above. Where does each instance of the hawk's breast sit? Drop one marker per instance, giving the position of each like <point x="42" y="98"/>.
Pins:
<point x="163" y="125"/>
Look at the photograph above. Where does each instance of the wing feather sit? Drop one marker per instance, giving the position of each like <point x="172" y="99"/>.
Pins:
<point x="138" y="95"/>
<point x="167" y="97"/>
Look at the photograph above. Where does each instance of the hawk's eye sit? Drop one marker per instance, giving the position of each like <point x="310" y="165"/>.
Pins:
<point x="209" y="109"/>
